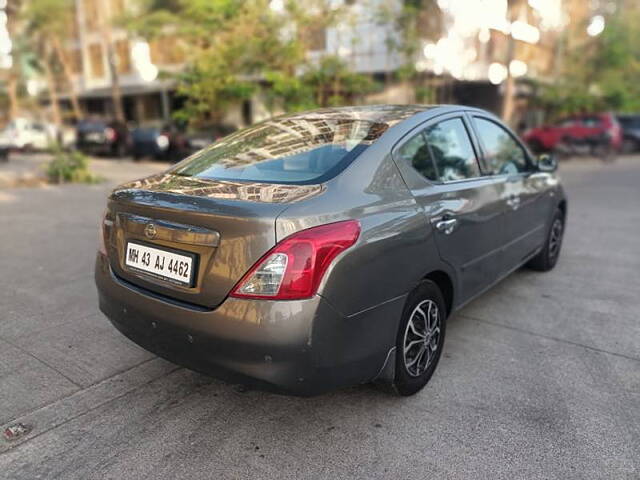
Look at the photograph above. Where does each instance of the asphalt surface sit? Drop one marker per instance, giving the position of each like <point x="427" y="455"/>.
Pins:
<point x="540" y="377"/>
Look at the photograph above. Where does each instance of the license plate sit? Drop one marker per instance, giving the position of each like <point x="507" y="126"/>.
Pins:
<point x="164" y="264"/>
<point x="94" y="137"/>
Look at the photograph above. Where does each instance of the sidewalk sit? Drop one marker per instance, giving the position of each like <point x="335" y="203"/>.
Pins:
<point x="28" y="170"/>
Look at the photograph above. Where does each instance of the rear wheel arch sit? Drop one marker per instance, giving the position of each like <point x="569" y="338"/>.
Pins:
<point x="444" y="282"/>
<point x="562" y="206"/>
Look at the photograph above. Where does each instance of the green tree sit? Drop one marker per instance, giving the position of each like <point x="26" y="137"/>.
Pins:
<point x="600" y="73"/>
<point x="47" y="25"/>
<point x="231" y="43"/>
<point x="333" y="83"/>
<point x="236" y="48"/>
<point x="413" y="22"/>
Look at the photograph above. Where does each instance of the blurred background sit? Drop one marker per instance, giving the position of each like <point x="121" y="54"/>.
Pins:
<point x="163" y="78"/>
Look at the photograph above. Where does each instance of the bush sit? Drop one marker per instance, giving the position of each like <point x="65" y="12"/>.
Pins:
<point x="70" y="167"/>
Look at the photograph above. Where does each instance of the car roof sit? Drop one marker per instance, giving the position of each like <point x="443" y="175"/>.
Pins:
<point x="389" y="114"/>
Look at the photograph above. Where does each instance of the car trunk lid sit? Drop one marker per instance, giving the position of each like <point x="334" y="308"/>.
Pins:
<point x="225" y="226"/>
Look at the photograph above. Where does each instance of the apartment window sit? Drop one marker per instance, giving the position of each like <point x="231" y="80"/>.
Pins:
<point x="96" y="60"/>
<point x="314" y="37"/>
<point x="91" y="14"/>
<point x="122" y="55"/>
<point x="71" y="32"/>
<point x="59" y="77"/>
<point x="117" y="8"/>
<point x="75" y="60"/>
<point x="166" y="51"/>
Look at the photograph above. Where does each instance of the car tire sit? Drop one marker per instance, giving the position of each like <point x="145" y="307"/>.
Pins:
<point x="547" y="258"/>
<point x="422" y="329"/>
<point x="120" y="151"/>
<point x="630" y="145"/>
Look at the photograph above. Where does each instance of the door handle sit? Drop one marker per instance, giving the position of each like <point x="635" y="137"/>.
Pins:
<point x="514" y="202"/>
<point x="446" y="226"/>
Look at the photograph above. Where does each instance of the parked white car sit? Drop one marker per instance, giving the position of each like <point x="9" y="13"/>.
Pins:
<point x="23" y="133"/>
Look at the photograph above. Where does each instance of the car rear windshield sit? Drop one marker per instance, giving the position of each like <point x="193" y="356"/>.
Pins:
<point x="297" y="150"/>
<point x="145" y="133"/>
<point x="90" y="126"/>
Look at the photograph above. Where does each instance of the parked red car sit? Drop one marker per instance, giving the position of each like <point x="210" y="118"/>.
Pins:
<point x="591" y="130"/>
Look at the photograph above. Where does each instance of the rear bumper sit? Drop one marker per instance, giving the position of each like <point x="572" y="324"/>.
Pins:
<point x="301" y="347"/>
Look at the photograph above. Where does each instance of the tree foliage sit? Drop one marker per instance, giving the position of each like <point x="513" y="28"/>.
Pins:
<point x="47" y="26"/>
<point x="236" y="48"/>
<point x="601" y="73"/>
<point x="414" y="22"/>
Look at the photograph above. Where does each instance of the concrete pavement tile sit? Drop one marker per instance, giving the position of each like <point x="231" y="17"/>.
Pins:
<point x="87" y="350"/>
<point x="81" y="402"/>
<point x="29" y="311"/>
<point x="503" y="404"/>
<point x="27" y="383"/>
<point x="573" y="316"/>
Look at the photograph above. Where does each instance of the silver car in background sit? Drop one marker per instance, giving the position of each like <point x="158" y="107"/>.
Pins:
<point x="327" y="248"/>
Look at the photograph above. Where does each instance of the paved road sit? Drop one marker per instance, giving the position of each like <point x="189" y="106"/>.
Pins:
<point x="540" y="377"/>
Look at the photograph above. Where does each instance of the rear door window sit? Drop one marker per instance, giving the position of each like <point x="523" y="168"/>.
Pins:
<point x="503" y="154"/>
<point x="452" y="150"/>
<point x="442" y="152"/>
<point x="416" y="153"/>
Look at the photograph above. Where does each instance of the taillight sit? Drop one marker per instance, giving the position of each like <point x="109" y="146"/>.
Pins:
<point x="294" y="268"/>
<point x="162" y="141"/>
<point x="110" y="134"/>
<point x="102" y="247"/>
<point x="104" y="222"/>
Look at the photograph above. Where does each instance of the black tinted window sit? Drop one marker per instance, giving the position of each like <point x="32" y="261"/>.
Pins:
<point x="416" y="153"/>
<point x="452" y="151"/>
<point x="503" y="154"/>
<point x="591" y="122"/>
<point x="91" y="126"/>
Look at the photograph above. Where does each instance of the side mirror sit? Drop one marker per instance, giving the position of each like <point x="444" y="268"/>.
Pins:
<point x="547" y="163"/>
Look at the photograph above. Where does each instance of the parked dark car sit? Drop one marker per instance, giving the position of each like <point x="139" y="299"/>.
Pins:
<point x="630" y="132"/>
<point x="326" y="248"/>
<point x="590" y="131"/>
<point x="171" y="143"/>
<point x="160" y="142"/>
<point x="99" y="137"/>
<point x="203" y="137"/>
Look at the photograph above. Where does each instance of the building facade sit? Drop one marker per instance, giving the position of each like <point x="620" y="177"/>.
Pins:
<point x="465" y="52"/>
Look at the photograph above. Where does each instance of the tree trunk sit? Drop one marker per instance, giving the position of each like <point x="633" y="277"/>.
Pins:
<point x="116" y="94"/>
<point x="68" y="73"/>
<point x="508" y="98"/>
<point x="12" y="93"/>
<point x="51" y="85"/>
<point x="12" y="11"/>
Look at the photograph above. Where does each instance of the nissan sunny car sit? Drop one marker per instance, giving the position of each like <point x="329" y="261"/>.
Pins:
<point x="327" y="248"/>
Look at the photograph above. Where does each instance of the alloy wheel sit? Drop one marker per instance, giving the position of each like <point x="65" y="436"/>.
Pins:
<point x="555" y="238"/>
<point x="421" y="338"/>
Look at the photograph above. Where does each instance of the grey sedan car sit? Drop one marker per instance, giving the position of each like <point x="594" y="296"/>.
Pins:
<point x="327" y="248"/>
